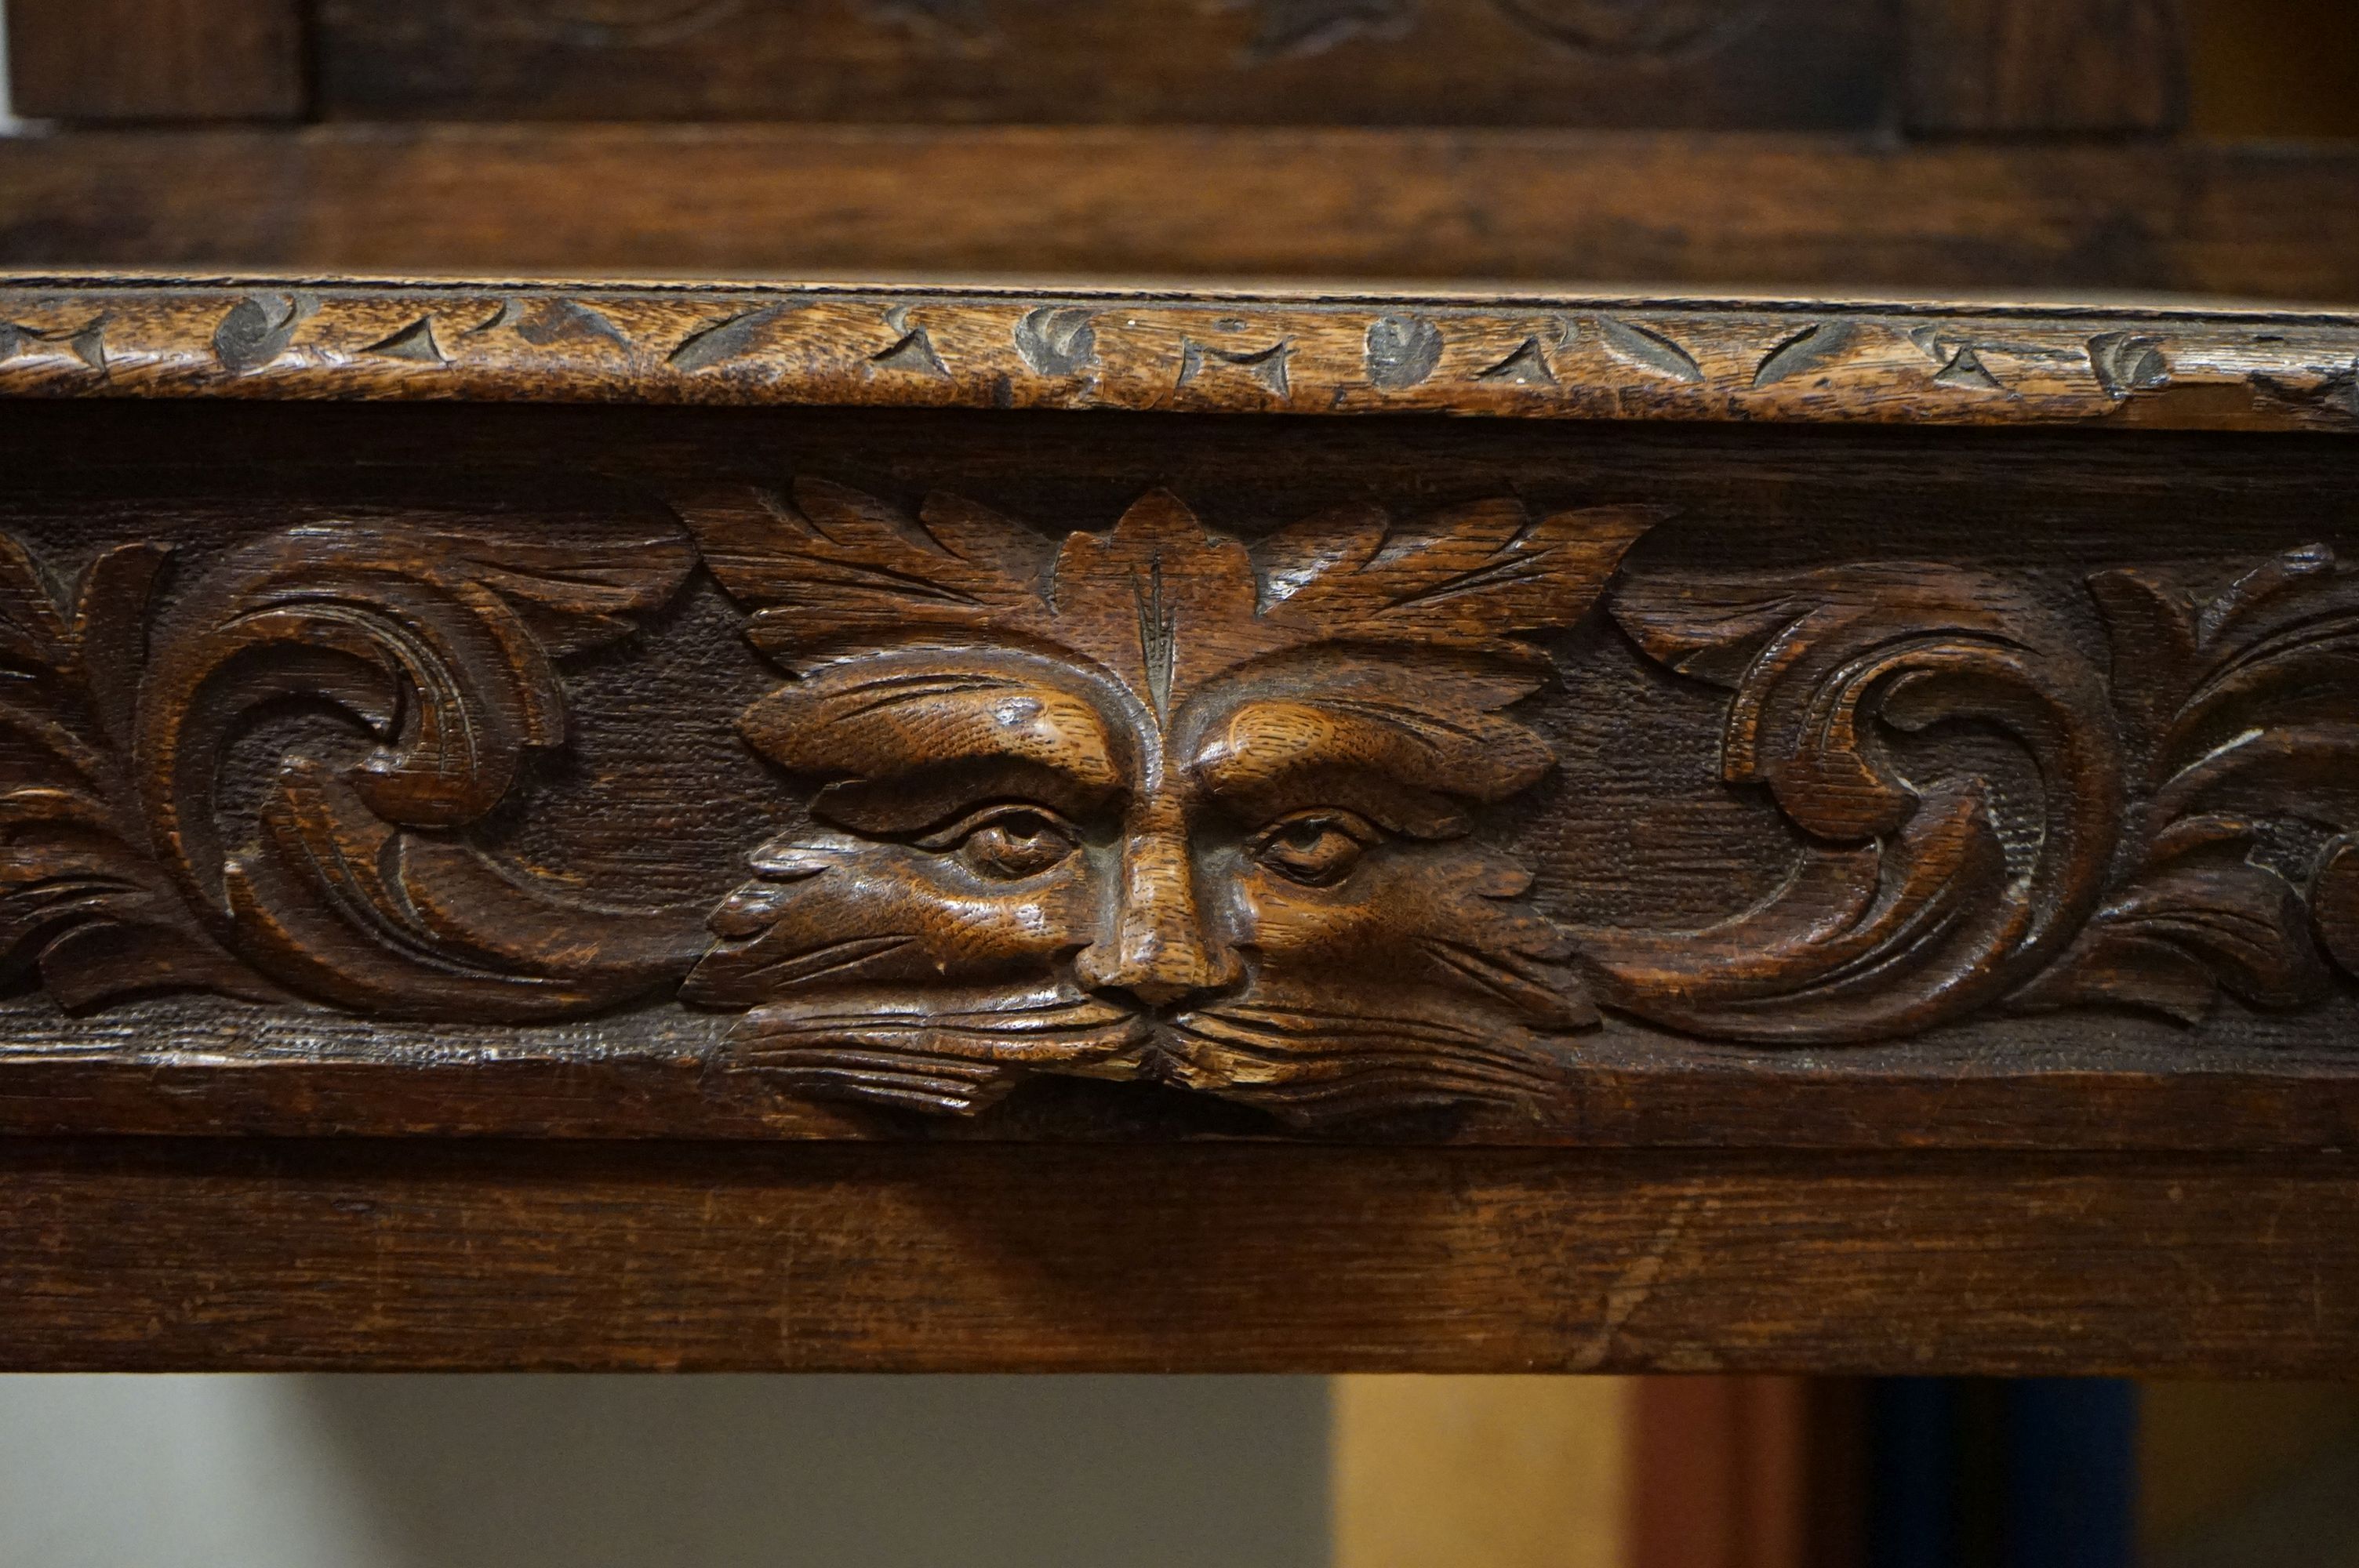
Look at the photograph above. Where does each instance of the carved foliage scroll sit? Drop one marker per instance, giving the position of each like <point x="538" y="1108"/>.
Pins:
<point x="1150" y="801"/>
<point x="2191" y="833"/>
<point x="361" y="889"/>
<point x="82" y="899"/>
<point x="2239" y="871"/>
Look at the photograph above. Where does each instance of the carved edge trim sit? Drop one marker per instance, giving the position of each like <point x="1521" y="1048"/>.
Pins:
<point x="1621" y="359"/>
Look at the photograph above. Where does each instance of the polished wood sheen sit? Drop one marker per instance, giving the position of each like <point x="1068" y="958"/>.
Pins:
<point x="1819" y="214"/>
<point x="2045" y="66"/>
<point x="147" y="1254"/>
<point x="1727" y="64"/>
<point x="824" y="827"/>
<point x="100" y="61"/>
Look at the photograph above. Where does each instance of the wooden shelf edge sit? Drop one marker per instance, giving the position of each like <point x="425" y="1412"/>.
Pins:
<point x="149" y="1255"/>
<point x="1178" y="351"/>
<point x="1781" y="212"/>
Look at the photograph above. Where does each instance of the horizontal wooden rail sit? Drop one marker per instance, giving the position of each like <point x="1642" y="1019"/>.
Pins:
<point x="152" y="1254"/>
<point x="1779" y="212"/>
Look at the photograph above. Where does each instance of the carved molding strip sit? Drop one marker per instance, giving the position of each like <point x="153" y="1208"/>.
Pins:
<point x="1148" y="803"/>
<point x="1588" y="359"/>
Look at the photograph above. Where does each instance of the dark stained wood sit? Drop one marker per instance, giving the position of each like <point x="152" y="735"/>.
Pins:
<point x="1790" y="213"/>
<point x="2168" y="977"/>
<point x="96" y="60"/>
<point x="148" y="1255"/>
<point x="1153" y="806"/>
<point x="1751" y="64"/>
<point x="2281" y="69"/>
<point x="1782" y="837"/>
<point x="2045" y="66"/>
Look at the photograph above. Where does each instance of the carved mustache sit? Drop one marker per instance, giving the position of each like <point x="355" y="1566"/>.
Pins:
<point x="960" y="1054"/>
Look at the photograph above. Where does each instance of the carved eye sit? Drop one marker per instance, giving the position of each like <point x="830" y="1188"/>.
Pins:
<point x="1007" y="843"/>
<point x="1316" y="849"/>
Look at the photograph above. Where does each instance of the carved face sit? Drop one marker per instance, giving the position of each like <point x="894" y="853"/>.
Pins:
<point x="1158" y="807"/>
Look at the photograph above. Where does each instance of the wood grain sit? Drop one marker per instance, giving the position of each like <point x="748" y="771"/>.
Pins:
<point x="259" y="1255"/>
<point x="1935" y="753"/>
<point x="1800" y="937"/>
<point x="99" y="60"/>
<point x="1180" y="351"/>
<point x="1824" y="215"/>
<point x="2039" y="68"/>
<point x="1757" y="64"/>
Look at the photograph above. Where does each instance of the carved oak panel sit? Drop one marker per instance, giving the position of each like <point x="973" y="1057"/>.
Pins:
<point x="855" y="774"/>
<point x="1722" y="64"/>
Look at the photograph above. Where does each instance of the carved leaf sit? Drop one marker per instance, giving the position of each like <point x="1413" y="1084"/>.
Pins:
<point x="2240" y="702"/>
<point x="81" y="898"/>
<point x="1470" y="576"/>
<point x="1645" y="346"/>
<point x="837" y="567"/>
<point x="1159" y="601"/>
<point x="1906" y="909"/>
<point x="438" y="643"/>
<point x="2198" y="918"/>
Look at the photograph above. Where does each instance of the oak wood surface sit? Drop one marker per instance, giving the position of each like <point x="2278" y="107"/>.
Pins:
<point x="100" y="61"/>
<point x="148" y="1254"/>
<point x="656" y="798"/>
<point x="1183" y="349"/>
<point x="2037" y="67"/>
<point x="1919" y="920"/>
<point x="1754" y="64"/>
<point x="1826" y="215"/>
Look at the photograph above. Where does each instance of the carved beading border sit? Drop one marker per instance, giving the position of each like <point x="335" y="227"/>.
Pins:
<point x="1180" y="352"/>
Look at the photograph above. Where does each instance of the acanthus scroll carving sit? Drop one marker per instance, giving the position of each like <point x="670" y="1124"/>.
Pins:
<point x="1148" y="802"/>
<point x="2192" y="831"/>
<point x="439" y="646"/>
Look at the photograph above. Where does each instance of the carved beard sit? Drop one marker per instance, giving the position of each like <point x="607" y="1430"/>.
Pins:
<point x="898" y="973"/>
<point x="1147" y="812"/>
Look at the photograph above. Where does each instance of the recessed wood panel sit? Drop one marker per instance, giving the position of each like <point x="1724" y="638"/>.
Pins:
<point x="97" y="61"/>
<point x="2028" y="67"/>
<point x="1750" y="64"/>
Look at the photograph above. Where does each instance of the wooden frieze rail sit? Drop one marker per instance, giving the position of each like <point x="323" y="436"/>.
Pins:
<point x="1423" y="728"/>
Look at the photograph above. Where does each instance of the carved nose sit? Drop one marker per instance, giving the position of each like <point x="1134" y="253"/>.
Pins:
<point x="1158" y="950"/>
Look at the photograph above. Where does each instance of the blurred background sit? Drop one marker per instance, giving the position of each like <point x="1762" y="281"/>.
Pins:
<point x="294" y="1471"/>
<point x="2028" y="149"/>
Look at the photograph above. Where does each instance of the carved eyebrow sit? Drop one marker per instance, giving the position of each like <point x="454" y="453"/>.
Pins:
<point x="1279" y="755"/>
<point x="889" y="717"/>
